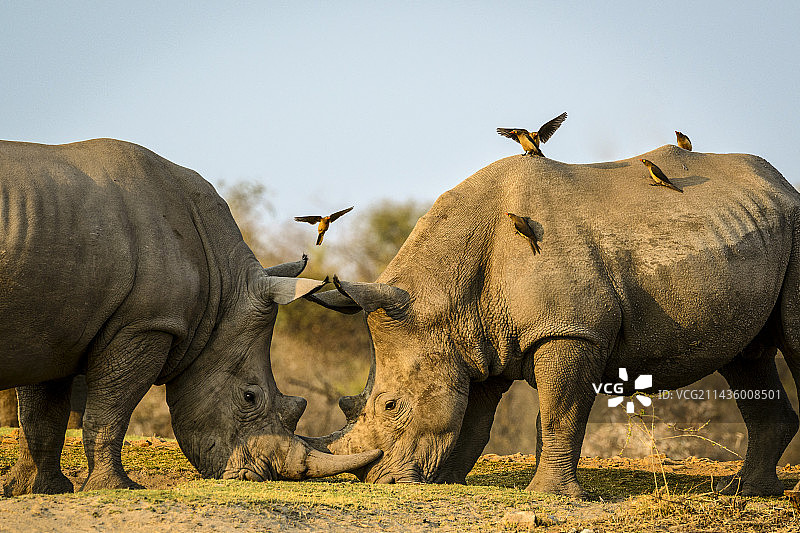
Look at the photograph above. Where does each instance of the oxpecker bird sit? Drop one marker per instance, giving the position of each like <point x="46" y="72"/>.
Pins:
<point x="530" y="140"/>
<point x="683" y="141"/>
<point x="658" y="176"/>
<point x="524" y="227"/>
<point x="324" y="222"/>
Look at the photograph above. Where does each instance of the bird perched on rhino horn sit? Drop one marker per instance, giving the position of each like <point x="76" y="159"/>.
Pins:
<point x="524" y="227"/>
<point x="324" y="222"/>
<point x="659" y="178"/>
<point x="530" y="140"/>
<point x="683" y="141"/>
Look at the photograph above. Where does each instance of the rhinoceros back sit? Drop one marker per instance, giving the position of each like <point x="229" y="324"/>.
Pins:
<point x="94" y="236"/>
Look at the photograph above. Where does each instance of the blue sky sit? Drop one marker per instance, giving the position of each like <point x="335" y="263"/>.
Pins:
<point x="340" y="103"/>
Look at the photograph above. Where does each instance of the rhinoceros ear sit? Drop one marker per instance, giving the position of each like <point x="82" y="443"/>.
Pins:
<point x="350" y="297"/>
<point x="283" y="290"/>
<point x="288" y="270"/>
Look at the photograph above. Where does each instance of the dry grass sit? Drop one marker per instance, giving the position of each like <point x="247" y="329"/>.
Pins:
<point x="630" y="497"/>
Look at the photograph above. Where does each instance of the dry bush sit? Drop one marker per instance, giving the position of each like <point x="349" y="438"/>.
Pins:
<point x="151" y="416"/>
<point x="8" y="408"/>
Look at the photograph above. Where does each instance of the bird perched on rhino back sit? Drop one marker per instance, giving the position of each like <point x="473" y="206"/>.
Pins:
<point x="324" y="222"/>
<point x="524" y="227"/>
<point x="683" y="141"/>
<point x="530" y="139"/>
<point x="659" y="178"/>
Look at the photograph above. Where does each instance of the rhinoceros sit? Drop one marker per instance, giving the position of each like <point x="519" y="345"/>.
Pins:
<point x="629" y="276"/>
<point x="120" y="265"/>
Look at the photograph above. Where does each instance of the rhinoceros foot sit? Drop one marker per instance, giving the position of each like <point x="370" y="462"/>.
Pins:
<point x="750" y="486"/>
<point x="25" y="479"/>
<point x="109" y="480"/>
<point x="553" y="485"/>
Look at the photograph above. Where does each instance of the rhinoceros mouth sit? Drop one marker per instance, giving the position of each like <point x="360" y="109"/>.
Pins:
<point x="250" y="466"/>
<point x="255" y="470"/>
<point x="245" y="474"/>
<point x="407" y="474"/>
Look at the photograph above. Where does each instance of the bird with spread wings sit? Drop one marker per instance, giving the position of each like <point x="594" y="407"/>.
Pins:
<point x="530" y="140"/>
<point x="324" y="222"/>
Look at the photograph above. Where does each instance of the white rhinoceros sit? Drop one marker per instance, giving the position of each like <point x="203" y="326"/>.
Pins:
<point x="118" y="264"/>
<point x="629" y="275"/>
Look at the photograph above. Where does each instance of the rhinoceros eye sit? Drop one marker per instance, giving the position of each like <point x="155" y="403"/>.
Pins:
<point x="390" y="405"/>
<point x="249" y="397"/>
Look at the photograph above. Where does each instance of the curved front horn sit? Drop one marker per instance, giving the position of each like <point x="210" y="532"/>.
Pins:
<point x="303" y="462"/>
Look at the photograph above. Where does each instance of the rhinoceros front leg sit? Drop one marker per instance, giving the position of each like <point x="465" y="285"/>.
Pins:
<point x="564" y="371"/>
<point x="44" y="411"/>
<point x="475" y="429"/>
<point x="116" y="380"/>
<point x="771" y="423"/>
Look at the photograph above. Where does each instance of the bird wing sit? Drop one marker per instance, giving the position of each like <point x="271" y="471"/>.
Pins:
<point x="337" y="214"/>
<point x="309" y="219"/>
<point x="505" y="132"/>
<point x="529" y="223"/>
<point x="659" y="174"/>
<point x="549" y="128"/>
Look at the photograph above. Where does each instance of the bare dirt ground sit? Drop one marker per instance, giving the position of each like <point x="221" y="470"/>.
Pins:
<point x="637" y="495"/>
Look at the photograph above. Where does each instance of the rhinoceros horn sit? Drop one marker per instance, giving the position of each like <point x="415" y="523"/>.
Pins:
<point x="288" y="270"/>
<point x="303" y="462"/>
<point x="283" y="290"/>
<point x="351" y="297"/>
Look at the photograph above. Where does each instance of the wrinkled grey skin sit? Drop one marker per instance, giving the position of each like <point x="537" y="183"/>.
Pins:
<point x="630" y="275"/>
<point x="117" y="264"/>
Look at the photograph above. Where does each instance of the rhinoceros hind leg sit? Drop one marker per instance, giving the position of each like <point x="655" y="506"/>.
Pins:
<point x="564" y="371"/>
<point x="117" y="379"/>
<point x="475" y="429"/>
<point x="44" y="411"/>
<point x="771" y="423"/>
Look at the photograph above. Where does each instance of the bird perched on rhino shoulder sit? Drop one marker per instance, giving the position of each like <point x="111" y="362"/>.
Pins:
<point x="324" y="222"/>
<point x="659" y="178"/>
<point x="524" y="227"/>
<point x="683" y="141"/>
<point x="530" y="140"/>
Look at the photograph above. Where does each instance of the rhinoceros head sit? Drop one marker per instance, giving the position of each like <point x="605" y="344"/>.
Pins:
<point x="413" y="404"/>
<point x="228" y="415"/>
